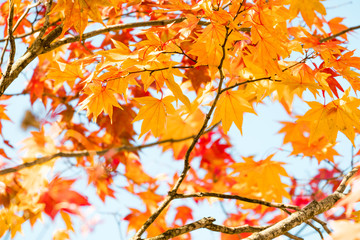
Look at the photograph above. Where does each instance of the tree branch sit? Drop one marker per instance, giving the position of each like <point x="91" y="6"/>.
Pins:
<point x="206" y="222"/>
<point x="171" y="233"/>
<point x="116" y="27"/>
<point x="11" y="39"/>
<point x="25" y="13"/>
<point x="308" y="212"/>
<point x="33" y="51"/>
<point x="265" y="232"/>
<point x="235" y="197"/>
<point x="84" y="153"/>
<point x="186" y="167"/>
<point x="339" y="34"/>
<point x="291" y="236"/>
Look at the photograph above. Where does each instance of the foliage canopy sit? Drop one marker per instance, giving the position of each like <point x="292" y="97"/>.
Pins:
<point x="116" y="77"/>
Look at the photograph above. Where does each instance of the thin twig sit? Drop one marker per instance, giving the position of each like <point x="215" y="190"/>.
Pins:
<point x="186" y="167"/>
<point x="235" y="197"/>
<point x="206" y="222"/>
<point x="315" y="228"/>
<point x="339" y="34"/>
<point x="11" y="39"/>
<point x="323" y="224"/>
<point x="47" y="21"/>
<point x="29" y="33"/>
<point x="248" y="81"/>
<point x="83" y="153"/>
<point x="3" y="51"/>
<point x="171" y="233"/>
<point x="291" y="236"/>
<point x="311" y="210"/>
<point x="24" y="14"/>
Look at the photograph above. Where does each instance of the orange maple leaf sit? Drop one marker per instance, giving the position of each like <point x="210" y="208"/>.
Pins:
<point x="59" y="197"/>
<point x="65" y="73"/>
<point x="339" y="115"/>
<point x="307" y="9"/>
<point x="77" y="12"/>
<point x="260" y="178"/>
<point x="101" y="98"/>
<point x="183" y="213"/>
<point x="154" y="113"/>
<point x="230" y="108"/>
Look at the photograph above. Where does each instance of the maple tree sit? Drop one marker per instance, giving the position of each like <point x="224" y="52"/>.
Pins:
<point x="118" y="77"/>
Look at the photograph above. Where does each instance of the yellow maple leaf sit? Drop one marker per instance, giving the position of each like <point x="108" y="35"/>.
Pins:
<point x="77" y="12"/>
<point x="307" y="9"/>
<point x="61" y="235"/>
<point x="119" y="54"/>
<point x="10" y="222"/>
<point x="339" y="115"/>
<point x="154" y="113"/>
<point x="230" y="108"/>
<point x="260" y="178"/>
<point x="65" y="73"/>
<point x="182" y="127"/>
<point x="67" y="220"/>
<point x="101" y="98"/>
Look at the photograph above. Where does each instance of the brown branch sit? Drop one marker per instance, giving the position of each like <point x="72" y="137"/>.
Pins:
<point x="3" y="51"/>
<point x="116" y="27"/>
<point x="308" y="212"/>
<point x="33" y="51"/>
<point x="339" y="34"/>
<point x="43" y="45"/>
<point x="11" y="39"/>
<point x="235" y="197"/>
<point x="315" y="228"/>
<point x="291" y="236"/>
<point x="46" y="23"/>
<point x="29" y="33"/>
<point x="323" y="224"/>
<point x="235" y="230"/>
<point x="171" y="233"/>
<point x="248" y="81"/>
<point x="207" y="223"/>
<point x="25" y="13"/>
<point x="85" y="153"/>
<point x="186" y="167"/>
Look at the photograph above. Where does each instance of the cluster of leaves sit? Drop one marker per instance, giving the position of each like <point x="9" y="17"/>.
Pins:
<point x="185" y="71"/>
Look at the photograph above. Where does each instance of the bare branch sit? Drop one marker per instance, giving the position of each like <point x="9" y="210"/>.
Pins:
<point x="315" y="228"/>
<point x="323" y="224"/>
<point x="308" y="212"/>
<point x="235" y="230"/>
<point x="84" y="153"/>
<point x="25" y="13"/>
<point x="339" y="34"/>
<point x="171" y="233"/>
<point x="116" y="27"/>
<point x="46" y="23"/>
<point x="3" y="51"/>
<point x="291" y="236"/>
<point x="235" y="197"/>
<point x="248" y="81"/>
<point x="186" y="167"/>
<point x="206" y="222"/>
<point x="34" y="51"/>
<point x="11" y="39"/>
